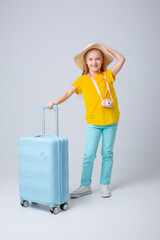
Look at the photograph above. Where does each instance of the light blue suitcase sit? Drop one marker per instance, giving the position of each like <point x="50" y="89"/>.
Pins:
<point x="43" y="169"/>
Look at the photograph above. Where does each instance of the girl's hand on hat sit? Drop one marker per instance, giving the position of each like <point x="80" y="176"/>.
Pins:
<point x="49" y="105"/>
<point x="106" y="47"/>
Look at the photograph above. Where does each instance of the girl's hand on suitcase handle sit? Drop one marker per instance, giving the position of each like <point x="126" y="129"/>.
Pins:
<point x="49" y="105"/>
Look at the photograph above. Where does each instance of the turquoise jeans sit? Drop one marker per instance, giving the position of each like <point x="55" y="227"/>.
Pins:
<point x="94" y="133"/>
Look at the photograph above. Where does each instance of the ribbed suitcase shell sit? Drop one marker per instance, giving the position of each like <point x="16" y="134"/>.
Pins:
<point x="43" y="169"/>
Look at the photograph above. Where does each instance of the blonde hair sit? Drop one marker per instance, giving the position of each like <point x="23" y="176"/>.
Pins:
<point x="85" y="66"/>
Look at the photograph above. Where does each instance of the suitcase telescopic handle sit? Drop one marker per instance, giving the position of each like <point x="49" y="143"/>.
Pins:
<point x="56" y="119"/>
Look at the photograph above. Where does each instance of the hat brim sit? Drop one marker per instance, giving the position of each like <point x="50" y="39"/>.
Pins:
<point x="79" y="58"/>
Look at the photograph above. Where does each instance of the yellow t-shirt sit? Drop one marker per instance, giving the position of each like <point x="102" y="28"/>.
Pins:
<point x="95" y="113"/>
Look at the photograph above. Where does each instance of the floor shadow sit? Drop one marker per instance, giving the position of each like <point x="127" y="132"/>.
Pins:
<point x="132" y="175"/>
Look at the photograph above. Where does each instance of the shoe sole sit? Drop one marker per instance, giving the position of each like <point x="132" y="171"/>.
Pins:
<point x="79" y="195"/>
<point x="106" y="196"/>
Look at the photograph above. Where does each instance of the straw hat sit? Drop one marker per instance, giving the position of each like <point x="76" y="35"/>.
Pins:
<point x="78" y="59"/>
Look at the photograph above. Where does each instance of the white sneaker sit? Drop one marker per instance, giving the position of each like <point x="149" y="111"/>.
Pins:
<point x="105" y="191"/>
<point x="81" y="191"/>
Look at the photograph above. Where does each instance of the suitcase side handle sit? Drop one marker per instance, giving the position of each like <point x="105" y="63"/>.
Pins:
<point x="56" y="119"/>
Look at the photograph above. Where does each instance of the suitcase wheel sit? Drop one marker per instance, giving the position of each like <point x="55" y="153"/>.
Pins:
<point x="25" y="203"/>
<point x="54" y="210"/>
<point x="64" y="206"/>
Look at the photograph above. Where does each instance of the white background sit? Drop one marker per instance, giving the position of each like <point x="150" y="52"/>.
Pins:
<point x="38" y="40"/>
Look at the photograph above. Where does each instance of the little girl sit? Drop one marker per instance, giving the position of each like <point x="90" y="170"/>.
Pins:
<point x="102" y="112"/>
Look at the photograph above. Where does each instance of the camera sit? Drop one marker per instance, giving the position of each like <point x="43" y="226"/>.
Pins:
<point x="107" y="103"/>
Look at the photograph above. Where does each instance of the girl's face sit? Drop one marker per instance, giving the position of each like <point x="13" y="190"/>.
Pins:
<point x="94" y="60"/>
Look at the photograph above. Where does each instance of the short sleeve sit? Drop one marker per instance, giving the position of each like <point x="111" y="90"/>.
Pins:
<point x="77" y="84"/>
<point x="109" y="75"/>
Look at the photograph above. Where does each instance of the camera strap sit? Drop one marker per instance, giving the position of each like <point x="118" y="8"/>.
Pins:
<point x="96" y="86"/>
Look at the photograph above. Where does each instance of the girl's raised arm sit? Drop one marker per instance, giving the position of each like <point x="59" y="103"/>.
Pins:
<point x="120" y="60"/>
<point x="63" y="97"/>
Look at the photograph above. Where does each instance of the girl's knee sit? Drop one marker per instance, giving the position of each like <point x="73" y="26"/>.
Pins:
<point x="107" y="154"/>
<point x="89" y="157"/>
